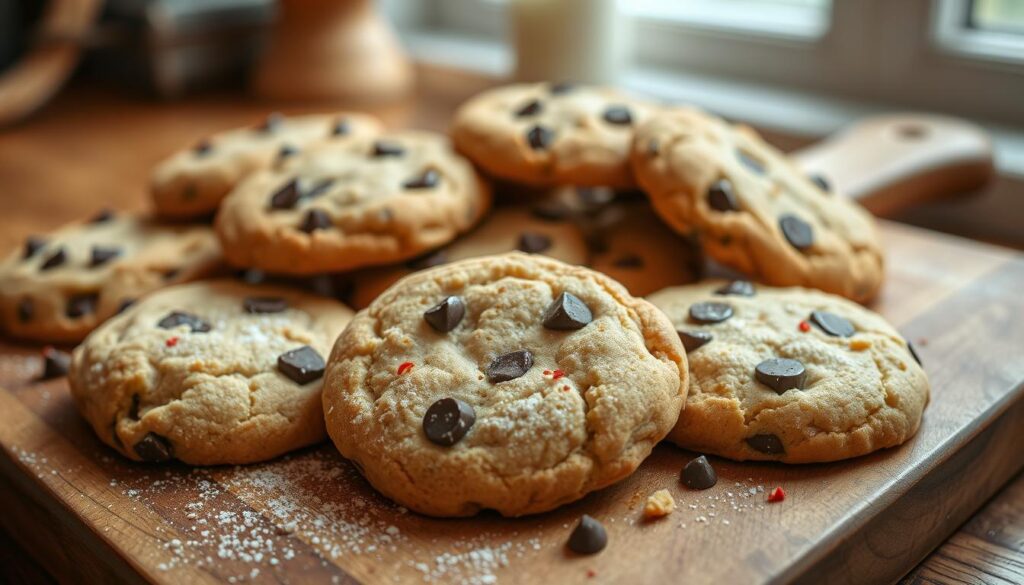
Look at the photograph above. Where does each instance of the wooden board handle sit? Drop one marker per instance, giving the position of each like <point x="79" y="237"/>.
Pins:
<point x="892" y="162"/>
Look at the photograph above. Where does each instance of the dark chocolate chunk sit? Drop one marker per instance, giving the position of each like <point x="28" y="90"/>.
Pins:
<point x="539" y="137"/>
<point x="55" y="363"/>
<point x="446" y="315"/>
<point x="203" y="148"/>
<point x="721" y="196"/>
<point x="750" y="162"/>
<point x="286" y="196"/>
<point x="430" y="260"/>
<point x="710" y="312"/>
<point x="619" y="115"/>
<point x="781" y="374"/>
<point x="447" y="421"/>
<point x="530" y="108"/>
<point x="767" y="444"/>
<point x="567" y="312"/>
<point x="271" y="123"/>
<point x="256" y="305"/>
<point x="509" y="366"/>
<point x="551" y="211"/>
<point x="102" y="216"/>
<point x="302" y="365"/>
<point x="287" y="150"/>
<point x="32" y="245"/>
<point x="588" y="537"/>
<point x="26" y="310"/>
<point x="81" y="305"/>
<point x="103" y="254"/>
<point x="177" y="318"/>
<point x="56" y="259"/>
<point x="533" y="243"/>
<point x="384" y="148"/>
<point x="629" y="261"/>
<point x="742" y="288"/>
<point x="821" y="182"/>
<point x="693" y="339"/>
<point x="832" y="324"/>
<point x="428" y="179"/>
<point x="699" y="475"/>
<point x="341" y="127"/>
<point x="315" y="219"/>
<point x="798" y="232"/>
<point x="913" y="353"/>
<point x="154" y="448"/>
<point x="561" y="87"/>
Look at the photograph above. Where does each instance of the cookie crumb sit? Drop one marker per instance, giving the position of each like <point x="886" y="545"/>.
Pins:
<point x="659" y="504"/>
<point x="859" y="344"/>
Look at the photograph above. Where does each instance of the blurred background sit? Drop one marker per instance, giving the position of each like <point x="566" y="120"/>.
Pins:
<point x="165" y="72"/>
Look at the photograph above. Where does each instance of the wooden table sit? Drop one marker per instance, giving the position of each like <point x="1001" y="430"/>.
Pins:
<point x="92" y="149"/>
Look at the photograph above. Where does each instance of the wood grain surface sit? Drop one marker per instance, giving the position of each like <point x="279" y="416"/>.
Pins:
<point x="95" y="517"/>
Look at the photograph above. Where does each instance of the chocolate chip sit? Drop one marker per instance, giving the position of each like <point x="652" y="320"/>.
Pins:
<point x="750" y="162"/>
<point x="798" y="232"/>
<point x="203" y="148"/>
<point x="384" y="148"/>
<point x="567" y="312"/>
<point x="699" y="475"/>
<point x="913" y="353"/>
<point x="302" y="365"/>
<point x="530" y="108"/>
<point x="629" y="261"/>
<point x="619" y="115"/>
<point x="104" y="215"/>
<point x="81" y="305"/>
<point x="287" y="150"/>
<point x="447" y="421"/>
<point x="55" y="259"/>
<point x="821" y="182"/>
<point x="103" y="254"/>
<point x="767" y="444"/>
<point x="26" y="310"/>
<point x="721" y="196"/>
<point x="561" y="87"/>
<point x="318" y="189"/>
<point x="693" y="339"/>
<point x="551" y="211"/>
<point x="315" y="219"/>
<point x="341" y="127"/>
<point x="178" y="318"/>
<point x="154" y="448"/>
<point x="539" y="137"/>
<point x="710" y="312"/>
<point x="55" y="363"/>
<point x="509" y="366"/>
<point x="32" y="245"/>
<point x="741" y="288"/>
<point x="257" y="305"/>
<point x="430" y="260"/>
<point x="832" y="324"/>
<point x="286" y="196"/>
<point x="533" y="243"/>
<point x="781" y="374"/>
<point x="446" y="315"/>
<point x="272" y="123"/>
<point x="588" y="537"/>
<point x="428" y="179"/>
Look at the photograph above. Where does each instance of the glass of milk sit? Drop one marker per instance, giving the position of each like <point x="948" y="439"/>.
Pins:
<point x="568" y="40"/>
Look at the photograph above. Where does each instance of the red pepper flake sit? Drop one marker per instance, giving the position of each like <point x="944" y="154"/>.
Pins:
<point x="776" y="495"/>
<point x="172" y="341"/>
<point x="805" y="326"/>
<point x="565" y="388"/>
<point x="557" y="374"/>
<point x="404" y="367"/>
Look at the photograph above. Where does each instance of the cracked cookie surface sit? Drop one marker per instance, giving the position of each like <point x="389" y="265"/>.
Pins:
<point x="60" y="286"/>
<point x="861" y="388"/>
<point x="752" y="209"/>
<point x="193" y="181"/>
<point x="341" y="205"/>
<point x="209" y="373"/>
<point x="599" y="389"/>
<point x="551" y="134"/>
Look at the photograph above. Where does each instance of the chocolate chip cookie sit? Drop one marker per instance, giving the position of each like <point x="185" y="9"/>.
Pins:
<point x="60" y="286"/>
<point x="504" y="230"/>
<point x="209" y="373"/>
<point x="514" y="382"/>
<point x="551" y="134"/>
<point x="193" y="181"/>
<point x="341" y="205"/>
<point x="790" y="374"/>
<point x="752" y="209"/>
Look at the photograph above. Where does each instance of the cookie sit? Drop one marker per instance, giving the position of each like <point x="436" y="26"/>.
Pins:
<point x="193" y="181"/>
<point x="790" y="374"/>
<point x="341" y="205"/>
<point x="59" y="287"/>
<point x="752" y="209"/>
<point x="505" y="230"/>
<point x="547" y="135"/>
<point x="515" y="383"/>
<point x="209" y="373"/>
